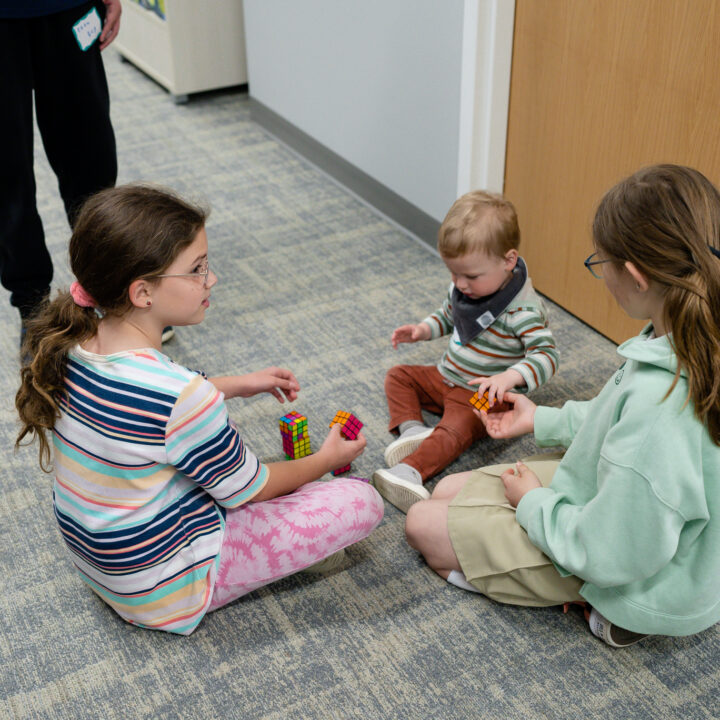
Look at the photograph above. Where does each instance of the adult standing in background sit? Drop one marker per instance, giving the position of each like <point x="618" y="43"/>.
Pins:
<point x="51" y="48"/>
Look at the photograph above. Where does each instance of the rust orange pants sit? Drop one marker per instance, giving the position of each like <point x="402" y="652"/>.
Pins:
<point x="412" y="388"/>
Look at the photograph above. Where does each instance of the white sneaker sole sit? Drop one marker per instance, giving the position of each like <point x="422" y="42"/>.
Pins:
<point x="328" y="564"/>
<point x="401" y="493"/>
<point x="601" y="627"/>
<point x="399" y="449"/>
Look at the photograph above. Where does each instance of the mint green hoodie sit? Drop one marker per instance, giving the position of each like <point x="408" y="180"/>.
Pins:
<point x="634" y="506"/>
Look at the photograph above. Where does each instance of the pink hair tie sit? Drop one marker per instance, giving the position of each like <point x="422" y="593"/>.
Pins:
<point x="82" y="298"/>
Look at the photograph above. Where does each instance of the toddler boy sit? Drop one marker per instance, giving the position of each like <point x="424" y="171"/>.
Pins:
<point x="499" y="341"/>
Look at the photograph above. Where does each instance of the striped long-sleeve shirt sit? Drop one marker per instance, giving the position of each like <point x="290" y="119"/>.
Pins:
<point x="519" y="339"/>
<point x="146" y="458"/>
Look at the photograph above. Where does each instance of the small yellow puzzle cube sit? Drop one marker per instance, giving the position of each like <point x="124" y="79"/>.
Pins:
<point x="480" y="403"/>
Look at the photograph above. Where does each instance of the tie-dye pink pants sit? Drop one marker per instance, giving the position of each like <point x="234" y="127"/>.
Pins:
<point x="268" y="540"/>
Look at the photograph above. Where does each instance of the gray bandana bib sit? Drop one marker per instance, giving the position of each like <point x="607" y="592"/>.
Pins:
<point x="472" y="317"/>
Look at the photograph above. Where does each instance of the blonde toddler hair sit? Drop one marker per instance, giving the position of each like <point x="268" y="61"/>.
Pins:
<point x="479" y="221"/>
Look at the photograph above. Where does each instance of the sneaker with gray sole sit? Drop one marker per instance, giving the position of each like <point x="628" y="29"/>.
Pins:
<point x="328" y="564"/>
<point x="613" y="635"/>
<point x="398" y="491"/>
<point x="405" y="445"/>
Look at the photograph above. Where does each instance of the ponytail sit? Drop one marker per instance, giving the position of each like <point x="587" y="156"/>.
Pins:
<point x="695" y="337"/>
<point x="51" y="334"/>
<point x="120" y="234"/>
<point x="665" y="219"/>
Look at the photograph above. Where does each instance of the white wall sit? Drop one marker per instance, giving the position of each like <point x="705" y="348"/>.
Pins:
<point x="485" y="93"/>
<point x="382" y="83"/>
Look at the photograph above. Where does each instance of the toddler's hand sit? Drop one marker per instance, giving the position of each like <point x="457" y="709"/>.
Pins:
<point x="498" y="385"/>
<point x="518" y="482"/>
<point x="339" y="451"/>
<point x="410" y="334"/>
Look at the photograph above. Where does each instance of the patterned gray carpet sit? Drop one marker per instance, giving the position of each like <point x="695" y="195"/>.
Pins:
<point x="312" y="279"/>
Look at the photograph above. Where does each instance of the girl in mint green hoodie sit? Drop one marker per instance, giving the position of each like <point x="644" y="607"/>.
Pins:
<point x="627" y="520"/>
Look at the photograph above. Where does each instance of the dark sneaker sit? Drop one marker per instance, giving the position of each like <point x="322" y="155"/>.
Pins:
<point x="168" y="333"/>
<point x="611" y="634"/>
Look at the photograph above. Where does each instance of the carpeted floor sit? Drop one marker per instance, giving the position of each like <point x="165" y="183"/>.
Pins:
<point x="312" y="279"/>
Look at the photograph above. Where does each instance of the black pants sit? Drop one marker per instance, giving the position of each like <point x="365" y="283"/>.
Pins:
<point x="72" y="107"/>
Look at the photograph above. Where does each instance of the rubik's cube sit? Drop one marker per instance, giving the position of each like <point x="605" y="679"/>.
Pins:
<point x="295" y="437"/>
<point x="350" y="427"/>
<point x="480" y="403"/>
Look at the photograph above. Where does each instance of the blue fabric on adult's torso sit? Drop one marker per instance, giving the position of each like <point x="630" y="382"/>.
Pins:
<point x="35" y="8"/>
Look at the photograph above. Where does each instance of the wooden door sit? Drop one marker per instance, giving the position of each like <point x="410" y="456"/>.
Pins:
<point x="600" y="88"/>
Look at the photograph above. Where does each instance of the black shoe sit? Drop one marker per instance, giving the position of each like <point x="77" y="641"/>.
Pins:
<point x="168" y="333"/>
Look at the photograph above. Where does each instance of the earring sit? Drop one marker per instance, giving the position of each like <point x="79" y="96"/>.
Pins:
<point x="148" y="303"/>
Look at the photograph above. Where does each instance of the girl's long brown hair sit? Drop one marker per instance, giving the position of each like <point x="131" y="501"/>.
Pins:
<point x="121" y="234"/>
<point x="664" y="219"/>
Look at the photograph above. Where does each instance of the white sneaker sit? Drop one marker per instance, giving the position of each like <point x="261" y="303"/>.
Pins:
<point x="405" y="445"/>
<point x="328" y="564"/>
<point x="611" y="634"/>
<point x="398" y="491"/>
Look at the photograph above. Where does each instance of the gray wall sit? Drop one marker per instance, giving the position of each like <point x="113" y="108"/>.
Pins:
<point x="375" y="81"/>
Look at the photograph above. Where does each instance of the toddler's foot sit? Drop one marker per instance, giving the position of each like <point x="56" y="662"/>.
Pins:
<point x="613" y="635"/>
<point x="406" y="444"/>
<point x="400" y="485"/>
<point x="331" y="562"/>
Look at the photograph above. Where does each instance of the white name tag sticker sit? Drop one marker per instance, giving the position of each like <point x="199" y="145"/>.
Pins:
<point x="87" y="29"/>
<point x="485" y="320"/>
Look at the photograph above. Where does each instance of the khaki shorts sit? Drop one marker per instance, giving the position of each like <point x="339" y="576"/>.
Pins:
<point x="494" y="550"/>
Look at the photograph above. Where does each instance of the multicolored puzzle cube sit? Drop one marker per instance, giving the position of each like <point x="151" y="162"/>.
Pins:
<point x="480" y="403"/>
<point x="295" y="436"/>
<point x="350" y="428"/>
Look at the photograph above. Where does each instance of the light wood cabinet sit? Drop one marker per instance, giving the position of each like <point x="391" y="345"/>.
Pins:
<point x="196" y="46"/>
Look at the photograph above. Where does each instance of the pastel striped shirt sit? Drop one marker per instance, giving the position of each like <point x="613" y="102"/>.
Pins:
<point x="146" y="458"/>
<point x="519" y="339"/>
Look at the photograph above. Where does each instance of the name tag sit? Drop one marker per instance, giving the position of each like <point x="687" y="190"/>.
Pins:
<point x="485" y="320"/>
<point x="87" y="29"/>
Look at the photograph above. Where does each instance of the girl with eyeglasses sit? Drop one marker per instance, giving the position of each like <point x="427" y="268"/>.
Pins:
<point x="627" y="521"/>
<point x="166" y="512"/>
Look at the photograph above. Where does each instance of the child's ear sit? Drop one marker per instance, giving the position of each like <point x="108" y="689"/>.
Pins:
<point x="139" y="293"/>
<point x="641" y="281"/>
<point x="511" y="258"/>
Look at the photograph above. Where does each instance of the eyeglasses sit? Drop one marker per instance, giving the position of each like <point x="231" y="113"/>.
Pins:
<point x="201" y="273"/>
<point x="589" y="263"/>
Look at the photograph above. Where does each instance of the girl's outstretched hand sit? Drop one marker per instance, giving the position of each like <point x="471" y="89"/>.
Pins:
<point x="339" y="451"/>
<point x="518" y="482"/>
<point x="519" y="420"/>
<point x="277" y="381"/>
